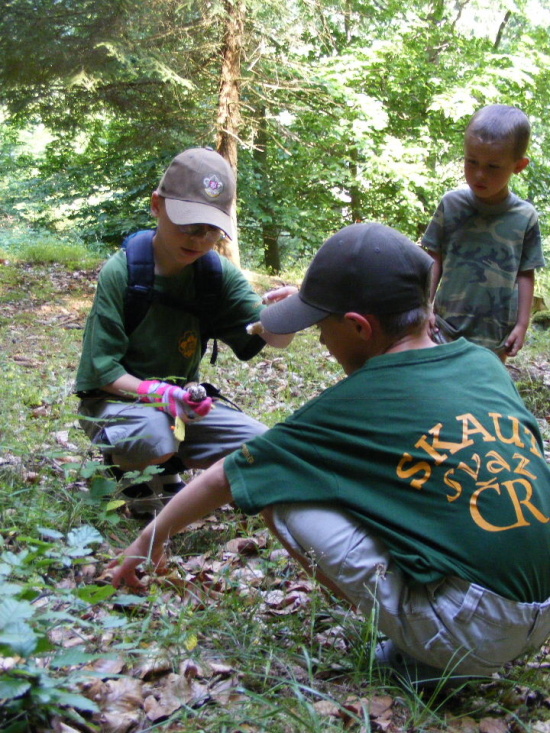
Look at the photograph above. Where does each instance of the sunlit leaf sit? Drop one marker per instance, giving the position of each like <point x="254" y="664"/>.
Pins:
<point x="12" y="611"/>
<point x="84" y="536"/>
<point x="11" y="688"/>
<point x="95" y="593"/>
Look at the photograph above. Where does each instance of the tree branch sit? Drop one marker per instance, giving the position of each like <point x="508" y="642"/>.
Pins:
<point x="501" y="30"/>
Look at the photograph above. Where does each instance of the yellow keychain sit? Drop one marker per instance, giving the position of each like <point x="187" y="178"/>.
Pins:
<point x="179" y="429"/>
<point x="197" y="405"/>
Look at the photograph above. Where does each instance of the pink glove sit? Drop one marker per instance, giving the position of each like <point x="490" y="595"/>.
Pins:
<point x="187" y="404"/>
<point x="199" y="405"/>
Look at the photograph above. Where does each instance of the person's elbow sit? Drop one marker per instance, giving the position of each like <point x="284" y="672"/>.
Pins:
<point x="277" y="340"/>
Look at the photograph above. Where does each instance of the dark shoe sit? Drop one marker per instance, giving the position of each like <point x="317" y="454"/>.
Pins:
<point x="414" y="673"/>
<point x="169" y="490"/>
<point x="112" y="470"/>
<point x="142" y="502"/>
<point x="172" y="466"/>
<point x="170" y="478"/>
<point x="146" y="499"/>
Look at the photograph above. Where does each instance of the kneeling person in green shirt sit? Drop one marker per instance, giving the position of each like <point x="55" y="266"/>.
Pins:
<point x="430" y="507"/>
<point x="144" y="337"/>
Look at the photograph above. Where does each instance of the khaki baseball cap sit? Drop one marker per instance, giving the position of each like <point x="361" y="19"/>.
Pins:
<point x="199" y="188"/>
<point x="363" y="268"/>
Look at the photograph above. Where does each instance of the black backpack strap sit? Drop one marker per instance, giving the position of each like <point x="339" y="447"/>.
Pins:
<point x="141" y="276"/>
<point x="215" y="393"/>
<point x="208" y="283"/>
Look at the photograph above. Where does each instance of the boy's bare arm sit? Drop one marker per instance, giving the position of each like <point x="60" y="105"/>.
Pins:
<point x="205" y="493"/>
<point x="526" y="290"/>
<point x="123" y="386"/>
<point x="436" y="272"/>
<point x="277" y="340"/>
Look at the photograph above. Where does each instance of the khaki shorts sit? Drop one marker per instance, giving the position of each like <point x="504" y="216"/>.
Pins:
<point x="452" y="624"/>
<point x="133" y="432"/>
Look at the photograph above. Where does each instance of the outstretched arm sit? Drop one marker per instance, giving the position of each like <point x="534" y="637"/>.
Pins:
<point x="526" y="290"/>
<point x="205" y="493"/>
<point x="277" y="340"/>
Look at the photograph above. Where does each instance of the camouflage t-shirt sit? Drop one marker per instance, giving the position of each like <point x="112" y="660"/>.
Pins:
<point x="483" y="247"/>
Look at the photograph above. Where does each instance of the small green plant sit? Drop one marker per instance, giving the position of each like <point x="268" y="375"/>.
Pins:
<point x="105" y="493"/>
<point x="37" y="676"/>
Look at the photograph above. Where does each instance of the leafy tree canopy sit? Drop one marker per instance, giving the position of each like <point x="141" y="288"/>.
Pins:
<point x="348" y="109"/>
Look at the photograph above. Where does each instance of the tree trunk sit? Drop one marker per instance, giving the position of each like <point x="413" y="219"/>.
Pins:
<point x="270" y="232"/>
<point x="354" y="190"/>
<point x="501" y="30"/>
<point x="229" y="116"/>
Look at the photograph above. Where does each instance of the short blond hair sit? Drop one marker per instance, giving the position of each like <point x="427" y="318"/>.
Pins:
<point x="502" y="123"/>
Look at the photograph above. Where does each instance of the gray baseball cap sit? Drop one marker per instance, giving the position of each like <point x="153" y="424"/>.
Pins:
<point x="199" y="188"/>
<point x="363" y="268"/>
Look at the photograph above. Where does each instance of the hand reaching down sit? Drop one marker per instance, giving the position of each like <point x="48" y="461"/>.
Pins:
<point x="125" y="567"/>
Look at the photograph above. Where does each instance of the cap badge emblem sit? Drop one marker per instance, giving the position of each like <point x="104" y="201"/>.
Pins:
<point x="212" y="186"/>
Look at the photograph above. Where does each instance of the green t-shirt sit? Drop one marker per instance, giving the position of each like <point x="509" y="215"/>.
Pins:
<point x="166" y="344"/>
<point x="483" y="248"/>
<point x="435" y="451"/>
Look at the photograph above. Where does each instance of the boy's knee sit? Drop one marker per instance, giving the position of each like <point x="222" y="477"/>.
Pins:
<point x="136" y="442"/>
<point x="136" y="462"/>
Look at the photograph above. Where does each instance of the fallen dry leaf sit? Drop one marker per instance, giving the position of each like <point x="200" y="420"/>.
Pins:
<point x="190" y="669"/>
<point x="7" y="663"/>
<point x="493" y="725"/>
<point x="221" y="669"/>
<point x="378" y="705"/>
<point x="121" y="706"/>
<point x="463" y="724"/>
<point x="327" y="708"/>
<point x="242" y="546"/>
<point x="31" y="477"/>
<point x="62" y="437"/>
<point x="541" y="726"/>
<point x="280" y="603"/>
<point x="107" y="667"/>
<point x="173" y="691"/>
<point x="224" y="691"/>
<point x="58" y="726"/>
<point x="119" y="722"/>
<point x="25" y="361"/>
<point x="156" y="663"/>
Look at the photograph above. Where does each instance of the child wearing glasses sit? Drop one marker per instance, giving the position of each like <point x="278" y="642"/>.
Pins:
<point x="133" y="386"/>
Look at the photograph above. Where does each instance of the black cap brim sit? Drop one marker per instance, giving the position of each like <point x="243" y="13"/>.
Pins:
<point x="291" y="315"/>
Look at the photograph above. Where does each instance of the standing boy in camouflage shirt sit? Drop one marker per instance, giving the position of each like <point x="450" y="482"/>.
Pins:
<point x="485" y="240"/>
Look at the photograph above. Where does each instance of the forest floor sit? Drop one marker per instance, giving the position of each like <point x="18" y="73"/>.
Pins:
<point x="234" y="638"/>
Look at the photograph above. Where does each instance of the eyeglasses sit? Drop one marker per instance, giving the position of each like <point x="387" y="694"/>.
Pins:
<point x="203" y="231"/>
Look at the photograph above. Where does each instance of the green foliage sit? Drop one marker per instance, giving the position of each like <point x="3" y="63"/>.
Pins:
<point x="349" y="111"/>
<point x="44" y="247"/>
<point x="533" y="384"/>
<point x="37" y="678"/>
